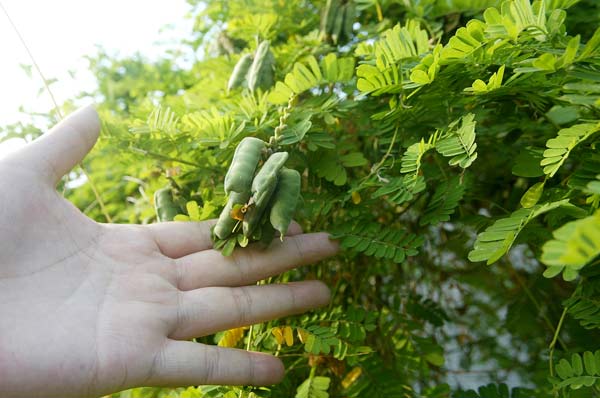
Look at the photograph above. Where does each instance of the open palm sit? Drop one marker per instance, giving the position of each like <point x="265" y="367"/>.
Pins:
<point x="88" y="309"/>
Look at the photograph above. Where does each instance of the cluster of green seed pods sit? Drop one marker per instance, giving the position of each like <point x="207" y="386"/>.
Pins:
<point x="260" y="202"/>
<point x="254" y="70"/>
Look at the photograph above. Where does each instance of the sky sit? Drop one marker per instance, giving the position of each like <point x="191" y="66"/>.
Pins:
<point x="60" y="33"/>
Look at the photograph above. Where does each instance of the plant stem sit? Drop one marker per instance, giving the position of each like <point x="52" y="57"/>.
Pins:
<point x="554" y="339"/>
<point x="379" y="12"/>
<point x="537" y="305"/>
<point x="285" y="114"/>
<point x="57" y="109"/>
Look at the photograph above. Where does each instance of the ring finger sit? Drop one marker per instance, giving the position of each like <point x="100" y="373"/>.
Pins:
<point x="208" y="310"/>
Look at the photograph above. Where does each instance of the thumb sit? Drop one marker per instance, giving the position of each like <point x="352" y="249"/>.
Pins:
<point x="59" y="150"/>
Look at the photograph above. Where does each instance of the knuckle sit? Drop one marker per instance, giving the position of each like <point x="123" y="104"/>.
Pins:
<point x="212" y="361"/>
<point x="242" y="262"/>
<point x="242" y="300"/>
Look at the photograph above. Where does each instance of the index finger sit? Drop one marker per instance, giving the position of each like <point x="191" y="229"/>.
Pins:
<point x="248" y="265"/>
<point x="177" y="239"/>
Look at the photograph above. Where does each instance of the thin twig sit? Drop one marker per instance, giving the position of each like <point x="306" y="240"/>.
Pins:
<point x="35" y="64"/>
<point x="554" y="339"/>
<point x="56" y="108"/>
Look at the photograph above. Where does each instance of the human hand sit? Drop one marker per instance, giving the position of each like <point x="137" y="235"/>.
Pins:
<point x="87" y="308"/>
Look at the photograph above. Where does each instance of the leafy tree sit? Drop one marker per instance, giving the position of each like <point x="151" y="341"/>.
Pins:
<point x="431" y="136"/>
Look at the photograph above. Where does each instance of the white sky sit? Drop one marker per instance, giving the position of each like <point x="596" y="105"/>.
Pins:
<point x="60" y="32"/>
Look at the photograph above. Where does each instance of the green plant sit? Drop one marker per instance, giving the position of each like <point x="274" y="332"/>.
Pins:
<point x="431" y="137"/>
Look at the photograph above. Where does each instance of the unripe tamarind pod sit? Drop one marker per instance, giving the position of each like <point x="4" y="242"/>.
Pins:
<point x="349" y="16"/>
<point x="239" y="72"/>
<point x="338" y="23"/>
<point x="165" y="207"/>
<point x="267" y="234"/>
<point x="260" y="74"/>
<point x="266" y="178"/>
<point x="226" y="223"/>
<point x="263" y="187"/>
<point x="285" y="200"/>
<point x="244" y="162"/>
<point x="331" y="10"/>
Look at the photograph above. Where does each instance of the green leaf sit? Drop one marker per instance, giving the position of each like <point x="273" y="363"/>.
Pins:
<point x="295" y="133"/>
<point x="591" y="47"/>
<point x="564" y="369"/>
<point x="498" y="238"/>
<point x="314" y="387"/>
<point x="560" y="147"/>
<point x="394" y="45"/>
<point x="280" y="94"/>
<point x="401" y="190"/>
<point x="353" y="159"/>
<point x="527" y="163"/>
<point x="574" y="245"/>
<point x="443" y="202"/>
<point x="459" y="142"/>
<point x="590" y="363"/>
<point x="229" y="247"/>
<point x="577" y="364"/>
<point x="545" y="62"/>
<point x="420" y="77"/>
<point x="465" y="42"/>
<point x="372" y="240"/>
<point x="533" y="194"/>
<point x="193" y="210"/>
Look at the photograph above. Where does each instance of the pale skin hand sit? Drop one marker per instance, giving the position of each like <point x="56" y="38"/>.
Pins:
<point x="87" y="309"/>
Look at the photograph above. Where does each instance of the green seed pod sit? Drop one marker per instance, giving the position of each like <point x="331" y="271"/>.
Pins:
<point x="260" y="74"/>
<point x="267" y="233"/>
<point x="166" y="209"/>
<point x="239" y="72"/>
<point x="226" y="223"/>
<point x="331" y="10"/>
<point x="285" y="200"/>
<point x="349" y="17"/>
<point x="338" y="23"/>
<point x="263" y="187"/>
<point x="266" y="178"/>
<point x="244" y="162"/>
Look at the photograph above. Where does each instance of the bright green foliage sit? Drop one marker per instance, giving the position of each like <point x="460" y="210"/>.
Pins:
<point x="459" y="142"/>
<point x="314" y="387"/>
<point x="498" y="238"/>
<point x="304" y="77"/>
<point x="575" y="244"/>
<point x="383" y="73"/>
<point x="411" y="160"/>
<point x="494" y="83"/>
<point x="580" y="371"/>
<point x="160" y="120"/>
<point x="532" y="196"/>
<point x="372" y="240"/>
<point x="560" y="147"/>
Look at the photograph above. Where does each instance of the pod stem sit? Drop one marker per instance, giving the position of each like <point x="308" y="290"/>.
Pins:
<point x="285" y="114"/>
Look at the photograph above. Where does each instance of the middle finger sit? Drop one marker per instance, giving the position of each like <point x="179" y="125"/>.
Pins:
<point x="243" y="267"/>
